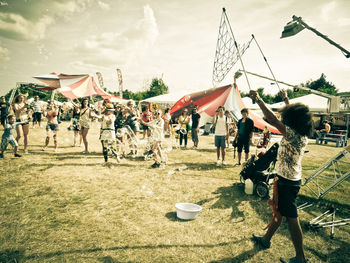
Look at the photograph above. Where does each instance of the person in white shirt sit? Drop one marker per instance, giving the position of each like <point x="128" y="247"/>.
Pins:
<point x="221" y="134"/>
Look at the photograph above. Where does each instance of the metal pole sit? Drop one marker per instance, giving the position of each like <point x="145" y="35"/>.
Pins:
<point x="266" y="62"/>
<point x="346" y="53"/>
<point x="239" y="56"/>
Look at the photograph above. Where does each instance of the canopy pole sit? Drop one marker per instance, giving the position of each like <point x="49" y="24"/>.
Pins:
<point x="267" y="63"/>
<point x="239" y="55"/>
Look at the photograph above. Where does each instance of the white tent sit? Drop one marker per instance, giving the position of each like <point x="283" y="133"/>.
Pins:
<point x="250" y="105"/>
<point x="164" y="100"/>
<point x="315" y="102"/>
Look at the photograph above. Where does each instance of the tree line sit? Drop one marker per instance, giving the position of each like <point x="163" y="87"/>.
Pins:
<point x="158" y="87"/>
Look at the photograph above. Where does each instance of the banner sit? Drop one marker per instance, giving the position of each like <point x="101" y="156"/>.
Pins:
<point x="120" y="80"/>
<point x="100" y="80"/>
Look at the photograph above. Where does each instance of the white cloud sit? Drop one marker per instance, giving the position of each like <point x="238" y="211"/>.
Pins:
<point x="121" y="47"/>
<point x="104" y="6"/>
<point x="327" y="9"/>
<point x="343" y="21"/>
<point x="76" y="6"/>
<point x="17" y="27"/>
<point x="4" y="54"/>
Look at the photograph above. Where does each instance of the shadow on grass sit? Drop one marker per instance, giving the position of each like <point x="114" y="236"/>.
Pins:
<point x="202" y="166"/>
<point x="172" y="217"/>
<point x="12" y="256"/>
<point x="109" y="259"/>
<point x="232" y="197"/>
<point x="246" y="255"/>
<point x="44" y="167"/>
<point x="93" y="250"/>
<point x="206" y="150"/>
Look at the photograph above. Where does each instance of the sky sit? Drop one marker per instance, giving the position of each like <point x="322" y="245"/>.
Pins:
<point x="175" y="40"/>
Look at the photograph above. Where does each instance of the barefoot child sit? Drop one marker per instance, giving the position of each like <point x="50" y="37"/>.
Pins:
<point x="52" y="124"/>
<point x="8" y="138"/>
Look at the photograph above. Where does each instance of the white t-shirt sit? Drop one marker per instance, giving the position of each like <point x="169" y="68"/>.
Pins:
<point x="220" y="128"/>
<point x="157" y="129"/>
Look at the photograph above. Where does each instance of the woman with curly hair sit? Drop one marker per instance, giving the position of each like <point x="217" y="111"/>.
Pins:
<point x="295" y="126"/>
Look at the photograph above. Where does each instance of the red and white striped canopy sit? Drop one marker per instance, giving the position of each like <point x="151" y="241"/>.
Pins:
<point x="74" y="86"/>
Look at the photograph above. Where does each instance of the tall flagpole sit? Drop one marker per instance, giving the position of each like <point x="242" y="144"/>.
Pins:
<point x="239" y="55"/>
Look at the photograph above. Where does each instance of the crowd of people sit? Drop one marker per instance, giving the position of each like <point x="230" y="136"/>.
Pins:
<point x="120" y="125"/>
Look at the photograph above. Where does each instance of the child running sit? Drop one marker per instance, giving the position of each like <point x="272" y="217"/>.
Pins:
<point x="157" y="136"/>
<point x="107" y="135"/>
<point x="8" y="138"/>
<point x="52" y="124"/>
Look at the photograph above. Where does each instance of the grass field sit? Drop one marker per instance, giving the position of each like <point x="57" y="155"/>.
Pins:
<point x="70" y="207"/>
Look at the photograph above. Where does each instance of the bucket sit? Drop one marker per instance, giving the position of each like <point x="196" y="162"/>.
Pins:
<point x="187" y="211"/>
<point x="248" y="187"/>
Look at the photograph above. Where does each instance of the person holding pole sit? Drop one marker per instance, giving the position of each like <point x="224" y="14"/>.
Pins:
<point x="295" y="125"/>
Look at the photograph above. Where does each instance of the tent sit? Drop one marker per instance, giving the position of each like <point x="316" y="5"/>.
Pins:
<point x="209" y="100"/>
<point x="75" y="86"/>
<point x="164" y="100"/>
<point x="315" y="102"/>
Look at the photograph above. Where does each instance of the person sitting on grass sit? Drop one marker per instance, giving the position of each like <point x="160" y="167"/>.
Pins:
<point x="52" y="124"/>
<point x="295" y="126"/>
<point x="8" y="137"/>
<point x="157" y="136"/>
<point x="221" y="134"/>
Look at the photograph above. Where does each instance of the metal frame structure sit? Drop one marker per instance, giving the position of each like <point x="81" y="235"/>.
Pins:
<point x="313" y="182"/>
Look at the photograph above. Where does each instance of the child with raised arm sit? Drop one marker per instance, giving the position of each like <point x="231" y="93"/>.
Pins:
<point x="8" y="137"/>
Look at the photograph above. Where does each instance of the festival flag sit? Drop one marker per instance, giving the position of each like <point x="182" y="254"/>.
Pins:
<point x="120" y="80"/>
<point x="100" y="80"/>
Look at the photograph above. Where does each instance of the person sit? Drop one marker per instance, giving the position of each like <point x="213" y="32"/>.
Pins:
<point x="167" y="118"/>
<point x="195" y="126"/>
<point x="84" y="121"/>
<point x="221" y="134"/>
<point x="184" y="120"/>
<point x="4" y="107"/>
<point x="146" y="117"/>
<point x="51" y="115"/>
<point x="37" y="110"/>
<point x="21" y="110"/>
<point x="295" y="125"/>
<point x="8" y="137"/>
<point x="157" y="137"/>
<point x="133" y="117"/>
<point x="244" y="136"/>
<point x="107" y="133"/>
<point x="232" y="127"/>
<point x="75" y="125"/>
<point x="324" y="131"/>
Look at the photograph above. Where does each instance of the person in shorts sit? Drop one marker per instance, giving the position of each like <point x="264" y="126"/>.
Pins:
<point x="37" y="111"/>
<point x="52" y="125"/>
<point x="244" y="135"/>
<point x="8" y="137"/>
<point x="295" y="126"/>
<point x="221" y="134"/>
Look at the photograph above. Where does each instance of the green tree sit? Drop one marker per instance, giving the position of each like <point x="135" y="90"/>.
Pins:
<point x="322" y="85"/>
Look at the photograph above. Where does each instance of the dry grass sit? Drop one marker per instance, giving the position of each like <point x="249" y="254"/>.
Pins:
<point x="70" y="207"/>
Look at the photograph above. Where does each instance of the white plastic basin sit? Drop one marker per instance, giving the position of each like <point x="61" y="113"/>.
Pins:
<point x="187" y="211"/>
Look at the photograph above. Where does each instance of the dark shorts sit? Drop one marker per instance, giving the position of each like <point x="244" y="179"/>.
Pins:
<point x="37" y="116"/>
<point x="220" y="141"/>
<point x="144" y="127"/>
<point x="23" y="123"/>
<point x="242" y="143"/>
<point x="52" y="127"/>
<point x="194" y="134"/>
<point x="3" y="120"/>
<point x="287" y="193"/>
